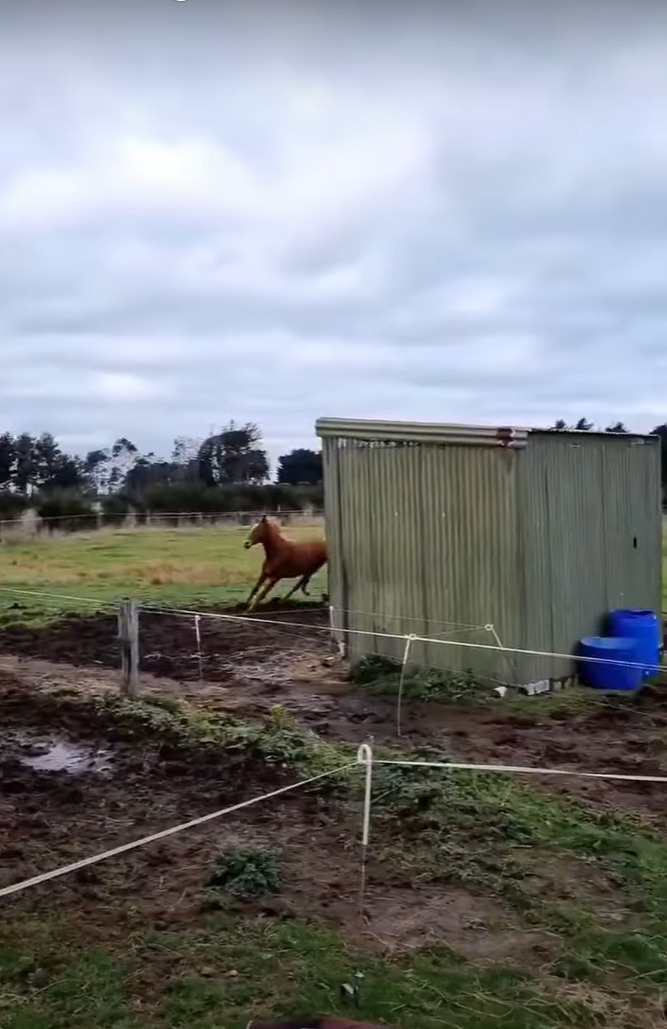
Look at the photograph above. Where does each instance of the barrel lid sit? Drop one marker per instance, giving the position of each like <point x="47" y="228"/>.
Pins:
<point x="634" y="612"/>
<point x="609" y="642"/>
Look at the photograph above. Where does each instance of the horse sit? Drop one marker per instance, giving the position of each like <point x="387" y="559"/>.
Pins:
<point x="284" y="559"/>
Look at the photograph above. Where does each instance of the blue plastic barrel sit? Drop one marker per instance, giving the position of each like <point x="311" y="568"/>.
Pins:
<point x="610" y="673"/>
<point x="644" y="627"/>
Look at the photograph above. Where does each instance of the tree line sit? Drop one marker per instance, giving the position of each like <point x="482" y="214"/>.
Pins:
<point x="226" y="471"/>
<point x="584" y="425"/>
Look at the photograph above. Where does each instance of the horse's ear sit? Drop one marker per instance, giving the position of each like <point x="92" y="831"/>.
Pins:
<point x="263" y="518"/>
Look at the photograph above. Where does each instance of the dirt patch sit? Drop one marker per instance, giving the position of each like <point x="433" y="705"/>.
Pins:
<point x="566" y="877"/>
<point x="251" y="665"/>
<point x="623" y="740"/>
<point x="54" y="815"/>
<point x="169" y="642"/>
<point x="476" y="927"/>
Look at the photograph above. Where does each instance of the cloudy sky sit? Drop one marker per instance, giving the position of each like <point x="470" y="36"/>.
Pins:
<point x="275" y="211"/>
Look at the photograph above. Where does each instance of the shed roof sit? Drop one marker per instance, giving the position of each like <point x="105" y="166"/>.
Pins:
<point x="516" y="437"/>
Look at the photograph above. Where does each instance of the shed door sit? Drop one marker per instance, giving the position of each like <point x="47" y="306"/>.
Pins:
<point x="575" y="537"/>
<point x="632" y="526"/>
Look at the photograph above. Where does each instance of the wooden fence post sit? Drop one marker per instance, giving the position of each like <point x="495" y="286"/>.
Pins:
<point x="128" y="636"/>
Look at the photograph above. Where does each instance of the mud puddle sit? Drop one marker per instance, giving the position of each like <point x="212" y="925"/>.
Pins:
<point x="64" y="756"/>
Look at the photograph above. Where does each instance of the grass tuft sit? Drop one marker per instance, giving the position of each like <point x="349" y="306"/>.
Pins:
<point x="246" y="872"/>
<point x="381" y="677"/>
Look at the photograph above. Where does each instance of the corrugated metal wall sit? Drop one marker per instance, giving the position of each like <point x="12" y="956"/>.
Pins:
<point x="564" y="547"/>
<point x="434" y="539"/>
<point x="633" y="524"/>
<point x="584" y="503"/>
<point x="424" y="539"/>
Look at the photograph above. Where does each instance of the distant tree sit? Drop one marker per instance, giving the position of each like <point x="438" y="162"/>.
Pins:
<point x="96" y="464"/>
<point x="26" y="464"/>
<point x="107" y="469"/>
<point x="300" y="467"/>
<point x="68" y="474"/>
<point x="148" y="470"/>
<point x="233" y="456"/>
<point x="661" y="431"/>
<point x="123" y="455"/>
<point x="617" y="427"/>
<point x="583" y="425"/>
<point x="7" y="460"/>
<point x="36" y="464"/>
<point x="48" y="460"/>
<point x="184" y="458"/>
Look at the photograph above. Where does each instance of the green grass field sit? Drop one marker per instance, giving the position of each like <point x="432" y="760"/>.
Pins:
<point x="188" y="567"/>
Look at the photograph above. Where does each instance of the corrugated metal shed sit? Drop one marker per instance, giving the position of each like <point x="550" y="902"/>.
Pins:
<point x="440" y="530"/>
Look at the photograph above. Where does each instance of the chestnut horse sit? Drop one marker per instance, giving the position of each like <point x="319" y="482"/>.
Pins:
<point x="284" y="559"/>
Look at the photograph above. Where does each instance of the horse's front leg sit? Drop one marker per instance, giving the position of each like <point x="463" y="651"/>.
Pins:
<point x="262" y="577"/>
<point x="263" y="594"/>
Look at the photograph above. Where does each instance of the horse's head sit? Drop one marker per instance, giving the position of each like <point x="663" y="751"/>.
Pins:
<point x="261" y="532"/>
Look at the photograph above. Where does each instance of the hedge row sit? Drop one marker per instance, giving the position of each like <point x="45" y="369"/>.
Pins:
<point x="76" y="511"/>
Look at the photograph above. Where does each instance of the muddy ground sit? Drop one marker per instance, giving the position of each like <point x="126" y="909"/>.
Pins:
<point x="102" y="789"/>
<point x="250" y="666"/>
<point x="71" y="786"/>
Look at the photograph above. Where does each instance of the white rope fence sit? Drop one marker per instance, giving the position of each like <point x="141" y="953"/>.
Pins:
<point x="368" y="762"/>
<point x="365" y="760"/>
<point x="162" y="835"/>
<point x="452" y="629"/>
<point x="261" y="619"/>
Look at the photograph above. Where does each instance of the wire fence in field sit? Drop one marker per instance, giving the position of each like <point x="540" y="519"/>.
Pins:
<point x="32" y="524"/>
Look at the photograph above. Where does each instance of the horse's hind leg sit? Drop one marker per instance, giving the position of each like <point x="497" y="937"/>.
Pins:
<point x="304" y="584"/>
<point x="300" y="583"/>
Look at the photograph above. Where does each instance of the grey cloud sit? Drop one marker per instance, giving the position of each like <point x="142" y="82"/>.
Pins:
<point x="435" y="213"/>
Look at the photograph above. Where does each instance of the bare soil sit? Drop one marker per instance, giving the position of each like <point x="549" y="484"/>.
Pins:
<point x="283" y="656"/>
<point x="131" y="787"/>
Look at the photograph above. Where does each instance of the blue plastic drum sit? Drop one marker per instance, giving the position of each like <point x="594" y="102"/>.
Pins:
<point x="644" y="627"/>
<point x="610" y="673"/>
